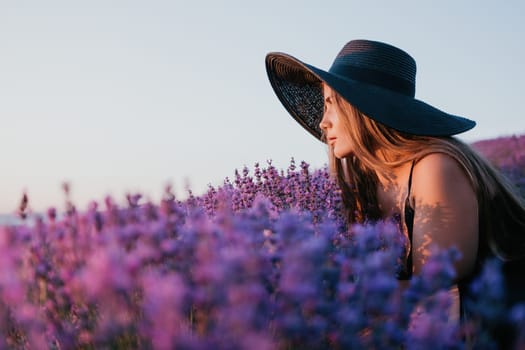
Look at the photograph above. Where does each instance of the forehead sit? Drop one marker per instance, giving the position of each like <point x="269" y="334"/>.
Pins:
<point x="327" y="90"/>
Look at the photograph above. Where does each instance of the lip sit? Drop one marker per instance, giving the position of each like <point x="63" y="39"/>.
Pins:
<point x="331" y="139"/>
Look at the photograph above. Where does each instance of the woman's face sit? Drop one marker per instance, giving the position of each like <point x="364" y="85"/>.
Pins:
<point x="337" y="136"/>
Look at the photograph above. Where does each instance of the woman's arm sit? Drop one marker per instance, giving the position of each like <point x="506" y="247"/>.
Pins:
<point x="446" y="211"/>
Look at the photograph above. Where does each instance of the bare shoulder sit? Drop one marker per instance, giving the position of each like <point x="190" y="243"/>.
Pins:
<point x="440" y="173"/>
<point x="439" y="165"/>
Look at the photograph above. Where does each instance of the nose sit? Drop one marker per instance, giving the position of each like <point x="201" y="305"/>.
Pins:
<point x="325" y="123"/>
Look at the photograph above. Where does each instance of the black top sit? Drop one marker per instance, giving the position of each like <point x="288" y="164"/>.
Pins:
<point x="406" y="270"/>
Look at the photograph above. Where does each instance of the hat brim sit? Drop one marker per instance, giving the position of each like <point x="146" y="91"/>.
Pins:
<point x="298" y="87"/>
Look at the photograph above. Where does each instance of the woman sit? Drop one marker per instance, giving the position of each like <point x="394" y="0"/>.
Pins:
<point x="395" y="156"/>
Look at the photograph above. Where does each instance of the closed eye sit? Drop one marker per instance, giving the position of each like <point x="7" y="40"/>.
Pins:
<point x="327" y="101"/>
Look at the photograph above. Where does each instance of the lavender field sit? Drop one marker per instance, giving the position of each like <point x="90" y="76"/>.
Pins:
<point x="507" y="154"/>
<point x="263" y="261"/>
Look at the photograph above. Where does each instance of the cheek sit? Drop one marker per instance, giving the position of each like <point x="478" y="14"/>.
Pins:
<point x="343" y="147"/>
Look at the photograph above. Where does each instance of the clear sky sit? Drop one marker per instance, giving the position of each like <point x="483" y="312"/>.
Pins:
<point x="118" y="96"/>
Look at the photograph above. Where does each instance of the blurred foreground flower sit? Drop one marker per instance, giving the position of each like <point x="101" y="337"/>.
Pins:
<point x="263" y="262"/>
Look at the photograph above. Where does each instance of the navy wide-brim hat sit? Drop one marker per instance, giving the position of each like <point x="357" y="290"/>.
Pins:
<point x="377" y="78"/>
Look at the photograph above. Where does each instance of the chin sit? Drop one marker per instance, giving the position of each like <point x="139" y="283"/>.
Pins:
<point x="341" y="155"/>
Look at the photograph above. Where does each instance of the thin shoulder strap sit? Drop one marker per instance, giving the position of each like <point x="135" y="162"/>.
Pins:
<point x="410" y="180"/>
<point x="409" y="222"/>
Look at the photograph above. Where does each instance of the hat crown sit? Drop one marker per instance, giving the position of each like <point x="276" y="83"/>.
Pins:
<point x="377" y="63"/>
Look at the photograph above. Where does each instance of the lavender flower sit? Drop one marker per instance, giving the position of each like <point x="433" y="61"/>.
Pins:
<point x="264" y="261"/>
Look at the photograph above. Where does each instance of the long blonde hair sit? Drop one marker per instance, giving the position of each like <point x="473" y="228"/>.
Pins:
<point x="501" y="209"/>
